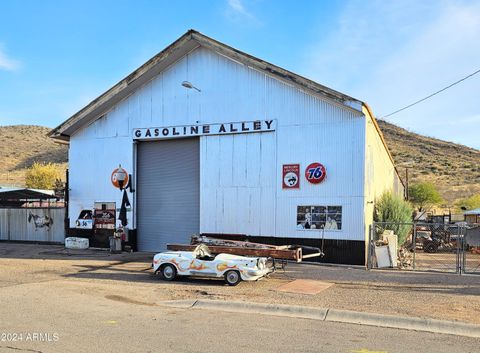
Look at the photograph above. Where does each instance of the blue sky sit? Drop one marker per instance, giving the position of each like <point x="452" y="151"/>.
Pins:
<point x="56" y="56"/>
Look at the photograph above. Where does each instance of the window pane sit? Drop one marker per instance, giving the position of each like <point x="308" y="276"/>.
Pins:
<point x="318" y="225"/>
<point x="318" y="217"/>
<point x="302" y="209"/>
<point x="318" y="209"/>
<point x="334" y="209"/>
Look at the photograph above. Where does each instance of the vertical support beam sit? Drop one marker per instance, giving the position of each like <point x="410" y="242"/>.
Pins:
<point x="414" y="244"/>
<point x="369" y="247"/>
<point x="463" y="233"/>
<point x="458" y="270"/>
<point x="9" y="216"/>
<point x="460" y="250"/>
<point x="66" y="199"/>
<point x="406" y="189"/>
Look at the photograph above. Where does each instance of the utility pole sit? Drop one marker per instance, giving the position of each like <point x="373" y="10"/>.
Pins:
<point x="406" y="181"/>
<point x="407" y="166"/>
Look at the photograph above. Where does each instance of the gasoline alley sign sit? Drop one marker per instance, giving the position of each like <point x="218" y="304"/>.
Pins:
<point x="157" y="133"/>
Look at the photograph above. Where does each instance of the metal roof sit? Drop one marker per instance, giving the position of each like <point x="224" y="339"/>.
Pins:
<point x="190" y="41"/>
<point x="475" y="211"/>
<point x="9" y="193"/>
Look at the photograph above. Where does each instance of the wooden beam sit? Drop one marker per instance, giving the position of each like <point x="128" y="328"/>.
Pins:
<point x="210" y="241"/>
<point x="284" y="254"/>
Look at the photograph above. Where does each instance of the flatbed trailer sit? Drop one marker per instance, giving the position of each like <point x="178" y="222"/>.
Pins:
<point x="245" y="248"/>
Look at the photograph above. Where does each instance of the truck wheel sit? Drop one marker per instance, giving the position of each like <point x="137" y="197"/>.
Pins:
<point x="232" y="277"/>
<point x="430" y="247"/>
<point x="168" y="272"/>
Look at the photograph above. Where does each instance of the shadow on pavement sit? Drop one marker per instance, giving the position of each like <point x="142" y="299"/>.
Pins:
<point x="59" y="252"/>
<point x="130" y="276"/>
<point x="115" y="272"/>
<point x="135" y="267"/>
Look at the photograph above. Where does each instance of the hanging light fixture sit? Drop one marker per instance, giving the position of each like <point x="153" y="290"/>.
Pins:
<point x="188" y="85"/>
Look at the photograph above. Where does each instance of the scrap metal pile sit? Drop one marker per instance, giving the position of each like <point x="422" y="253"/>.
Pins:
<point x="246" y="248"/>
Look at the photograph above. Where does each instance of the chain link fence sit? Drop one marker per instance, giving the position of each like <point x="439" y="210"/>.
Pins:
<point x="471" y="249"/>
<point x="425" y="247"/>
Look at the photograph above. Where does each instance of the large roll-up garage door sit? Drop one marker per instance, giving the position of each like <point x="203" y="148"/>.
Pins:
<point x="168" y="192"/>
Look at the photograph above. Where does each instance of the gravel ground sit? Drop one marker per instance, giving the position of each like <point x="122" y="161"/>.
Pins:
<point x="128" y="278"/>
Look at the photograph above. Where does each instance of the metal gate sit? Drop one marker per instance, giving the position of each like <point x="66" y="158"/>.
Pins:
<point x="168" y="192"/>
<point x="425" y="247"/>
<point x="471" y="247"/>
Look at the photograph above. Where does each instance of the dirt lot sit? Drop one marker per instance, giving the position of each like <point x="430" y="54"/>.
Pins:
<point x="446" y="262"/>
<point x="127" y="278"/>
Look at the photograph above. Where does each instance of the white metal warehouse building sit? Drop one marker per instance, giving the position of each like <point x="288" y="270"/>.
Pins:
<point x="210" y="136"/>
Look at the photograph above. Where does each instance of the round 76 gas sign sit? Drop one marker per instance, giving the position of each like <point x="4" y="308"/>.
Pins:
<point x="315" y="173"/>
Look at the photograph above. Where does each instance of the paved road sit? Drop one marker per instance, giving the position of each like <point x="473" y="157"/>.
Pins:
<point x="80" y="316"/>
<point x="129" y="327"/>
<point x="96" y="306"/>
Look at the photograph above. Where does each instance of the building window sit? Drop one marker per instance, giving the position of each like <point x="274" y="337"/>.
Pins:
<point x="318" y="217"/>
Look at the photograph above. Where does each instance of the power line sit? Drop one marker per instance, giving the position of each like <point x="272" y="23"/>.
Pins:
<point x="433" y="94"/>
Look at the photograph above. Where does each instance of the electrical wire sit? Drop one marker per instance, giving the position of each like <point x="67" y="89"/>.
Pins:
<point x="431" y="95"/>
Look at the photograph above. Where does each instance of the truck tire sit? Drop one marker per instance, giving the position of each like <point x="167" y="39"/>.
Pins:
<point x="430" y="247"/>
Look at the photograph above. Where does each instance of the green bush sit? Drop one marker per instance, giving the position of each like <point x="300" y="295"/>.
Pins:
<point x="394" y="209"/>
<point x="470" y="203"/>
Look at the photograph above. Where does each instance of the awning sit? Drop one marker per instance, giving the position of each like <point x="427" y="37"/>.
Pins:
<point x="24" y="194"/>
<point x="475" y="211"/>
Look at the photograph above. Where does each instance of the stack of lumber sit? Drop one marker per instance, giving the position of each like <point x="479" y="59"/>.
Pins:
<point x="246" y="248"/>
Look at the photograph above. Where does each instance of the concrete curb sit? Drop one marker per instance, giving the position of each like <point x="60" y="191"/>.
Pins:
<point x="334" y="315"/>
<point x="181" y="304"/>
<point x="267" y="309"/>
<point x="406" y="323"/>
<point x="255" y="308"/>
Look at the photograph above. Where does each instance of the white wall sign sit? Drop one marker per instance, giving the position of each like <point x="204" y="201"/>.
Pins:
<point x="242" y="127"/>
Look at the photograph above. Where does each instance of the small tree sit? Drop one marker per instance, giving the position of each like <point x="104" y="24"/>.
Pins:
<point x="393" y="209"/>
<point x="424" y="195"/>
<point x="470" y="203"/>
<point x="41" y="176"/>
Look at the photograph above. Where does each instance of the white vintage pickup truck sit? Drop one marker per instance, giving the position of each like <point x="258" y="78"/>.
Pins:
<point x="201" y="262"/>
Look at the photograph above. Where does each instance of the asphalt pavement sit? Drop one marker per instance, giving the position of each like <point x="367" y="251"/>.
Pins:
<point x="57" y="302"/>
<point x="108" y="325"/>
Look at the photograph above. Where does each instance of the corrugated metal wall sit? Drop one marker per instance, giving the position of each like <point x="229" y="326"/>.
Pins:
<point x="380" y="174"/>
<point x="28" y="224"/>
<point x="238" y="184"/>
<point x="240" y="174"/>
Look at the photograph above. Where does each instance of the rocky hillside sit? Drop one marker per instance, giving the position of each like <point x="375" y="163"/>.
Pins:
<point x="455" y="169"/>
<point x="21" y="145"/>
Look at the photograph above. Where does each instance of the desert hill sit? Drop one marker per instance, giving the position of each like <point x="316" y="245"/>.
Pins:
<point x="21" y="145"/>
<point x="455" y="169"/>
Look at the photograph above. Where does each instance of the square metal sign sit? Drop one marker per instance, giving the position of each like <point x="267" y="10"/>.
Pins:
<point x="291" y="176"/>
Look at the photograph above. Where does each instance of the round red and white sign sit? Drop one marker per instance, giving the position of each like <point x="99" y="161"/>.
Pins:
<point x="315" y="173"/>
<point x="119" y="177"/>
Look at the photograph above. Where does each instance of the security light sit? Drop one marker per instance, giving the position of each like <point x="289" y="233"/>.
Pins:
<point x="189" y="85"/>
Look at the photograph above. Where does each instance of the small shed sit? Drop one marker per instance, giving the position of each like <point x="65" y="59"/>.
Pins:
<point x="472" y="216"/>
<point x="18" y="197"/>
